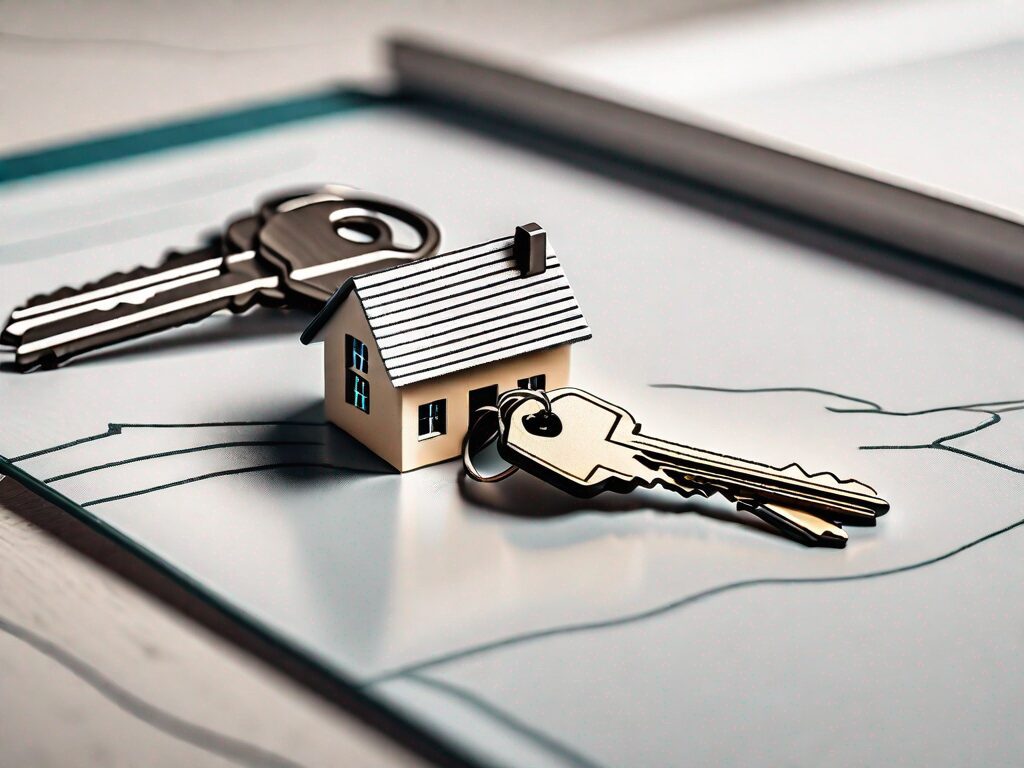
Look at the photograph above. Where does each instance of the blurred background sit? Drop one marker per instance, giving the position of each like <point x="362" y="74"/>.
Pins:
<point x="68" y="69"/>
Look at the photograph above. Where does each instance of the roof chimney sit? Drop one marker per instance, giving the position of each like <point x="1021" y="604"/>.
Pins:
<point x="530" y="249"/>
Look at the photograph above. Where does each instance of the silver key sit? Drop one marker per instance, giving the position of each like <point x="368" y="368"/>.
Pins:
<point x="295" y="253"/>
<point x="585" y="445"/>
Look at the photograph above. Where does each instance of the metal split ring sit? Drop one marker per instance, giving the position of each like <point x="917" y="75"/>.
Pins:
<point x="467" y="458"/>
<point x="507" y="400"/>
<point x="514" y="396"/>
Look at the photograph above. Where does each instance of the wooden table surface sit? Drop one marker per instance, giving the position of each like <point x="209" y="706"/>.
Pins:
<point x="103" y="660"/>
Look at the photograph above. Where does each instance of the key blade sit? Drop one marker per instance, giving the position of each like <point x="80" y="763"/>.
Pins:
<point x="740" y="479"/>
<point x="67" y="301"/>
<point x="48" y="340"/>
<point x="143" y="290"/>
<point x="805" y="527"/>
<point x="802" y="526"/>
<point x="600" y="447"/>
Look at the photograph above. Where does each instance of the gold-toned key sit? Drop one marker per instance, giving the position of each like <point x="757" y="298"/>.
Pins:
<point x="585" y="445"/>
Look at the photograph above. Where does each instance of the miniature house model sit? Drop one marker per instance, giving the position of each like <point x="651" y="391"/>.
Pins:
<point x="410" y="352"/>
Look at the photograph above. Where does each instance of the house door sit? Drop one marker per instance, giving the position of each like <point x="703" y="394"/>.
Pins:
<point x="478" y="398"/>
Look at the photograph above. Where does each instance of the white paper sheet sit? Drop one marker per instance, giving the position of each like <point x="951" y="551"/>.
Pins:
<point x="525" y="626"/>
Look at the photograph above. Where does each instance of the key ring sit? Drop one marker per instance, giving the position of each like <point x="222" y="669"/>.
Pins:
<point x="467" y="459"/>
<point x="515" y="396"/>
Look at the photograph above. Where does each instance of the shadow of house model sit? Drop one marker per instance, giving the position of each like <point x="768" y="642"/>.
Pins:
<point x="410" y="352"/>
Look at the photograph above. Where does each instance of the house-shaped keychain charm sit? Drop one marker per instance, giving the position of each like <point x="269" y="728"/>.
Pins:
<point x="410" y="352"/>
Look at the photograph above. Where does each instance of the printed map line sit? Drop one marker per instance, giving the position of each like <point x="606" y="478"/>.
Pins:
<point x="224" y="473"/>
<point x="480" y="704"/>
<point x="940" y="445"/>
<point x="873" y="406"/>
<point x="1002" y="406"/>
<point x="115" y="428"/>
<point x="671" y="606"/>
<point x="767" y="390"/>
<point x="179" y="452"/>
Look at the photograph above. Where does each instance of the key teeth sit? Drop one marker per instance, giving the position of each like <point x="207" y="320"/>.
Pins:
<point x="172" y="259"/>
<point x="832" y="539"/>
<point x="658" y="477"/>
<point x="13" y="340"/>
<point x="66" y="291"/>
<point x="41" y="298"/>
<point x="796" y="470"/>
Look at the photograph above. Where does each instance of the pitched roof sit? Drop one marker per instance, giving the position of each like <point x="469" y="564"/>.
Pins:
<point x="459" y="310"/>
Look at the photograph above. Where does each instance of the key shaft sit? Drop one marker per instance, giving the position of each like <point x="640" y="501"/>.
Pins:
<point x="68" y="302"/>
<point x="147" y="300"/>
<point x="753" y="483"/>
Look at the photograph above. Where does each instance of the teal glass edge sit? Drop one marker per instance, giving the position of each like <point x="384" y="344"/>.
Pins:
<point x="116" y="146"/>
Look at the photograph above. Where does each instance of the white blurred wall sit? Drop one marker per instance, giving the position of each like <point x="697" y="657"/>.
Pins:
<point x="71" y="69"/>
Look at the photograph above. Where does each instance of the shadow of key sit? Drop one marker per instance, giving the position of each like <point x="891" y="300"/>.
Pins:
<point x="529" y="498"/>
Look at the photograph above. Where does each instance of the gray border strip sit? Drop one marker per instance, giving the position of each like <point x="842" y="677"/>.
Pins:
<point x="959" y="233"/>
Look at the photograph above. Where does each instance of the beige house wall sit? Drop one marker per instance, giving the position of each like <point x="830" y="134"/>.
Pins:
<point x="380" y="430"/>
<point x="454" y="389"/>
<point x="391" y="427"/>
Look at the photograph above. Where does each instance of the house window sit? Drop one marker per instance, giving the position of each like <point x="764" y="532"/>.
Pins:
<point x="357" y="391"/>
<point x="355" y="353"/>
<point x="534" y="382"/>
<point x="432" y="419"/>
